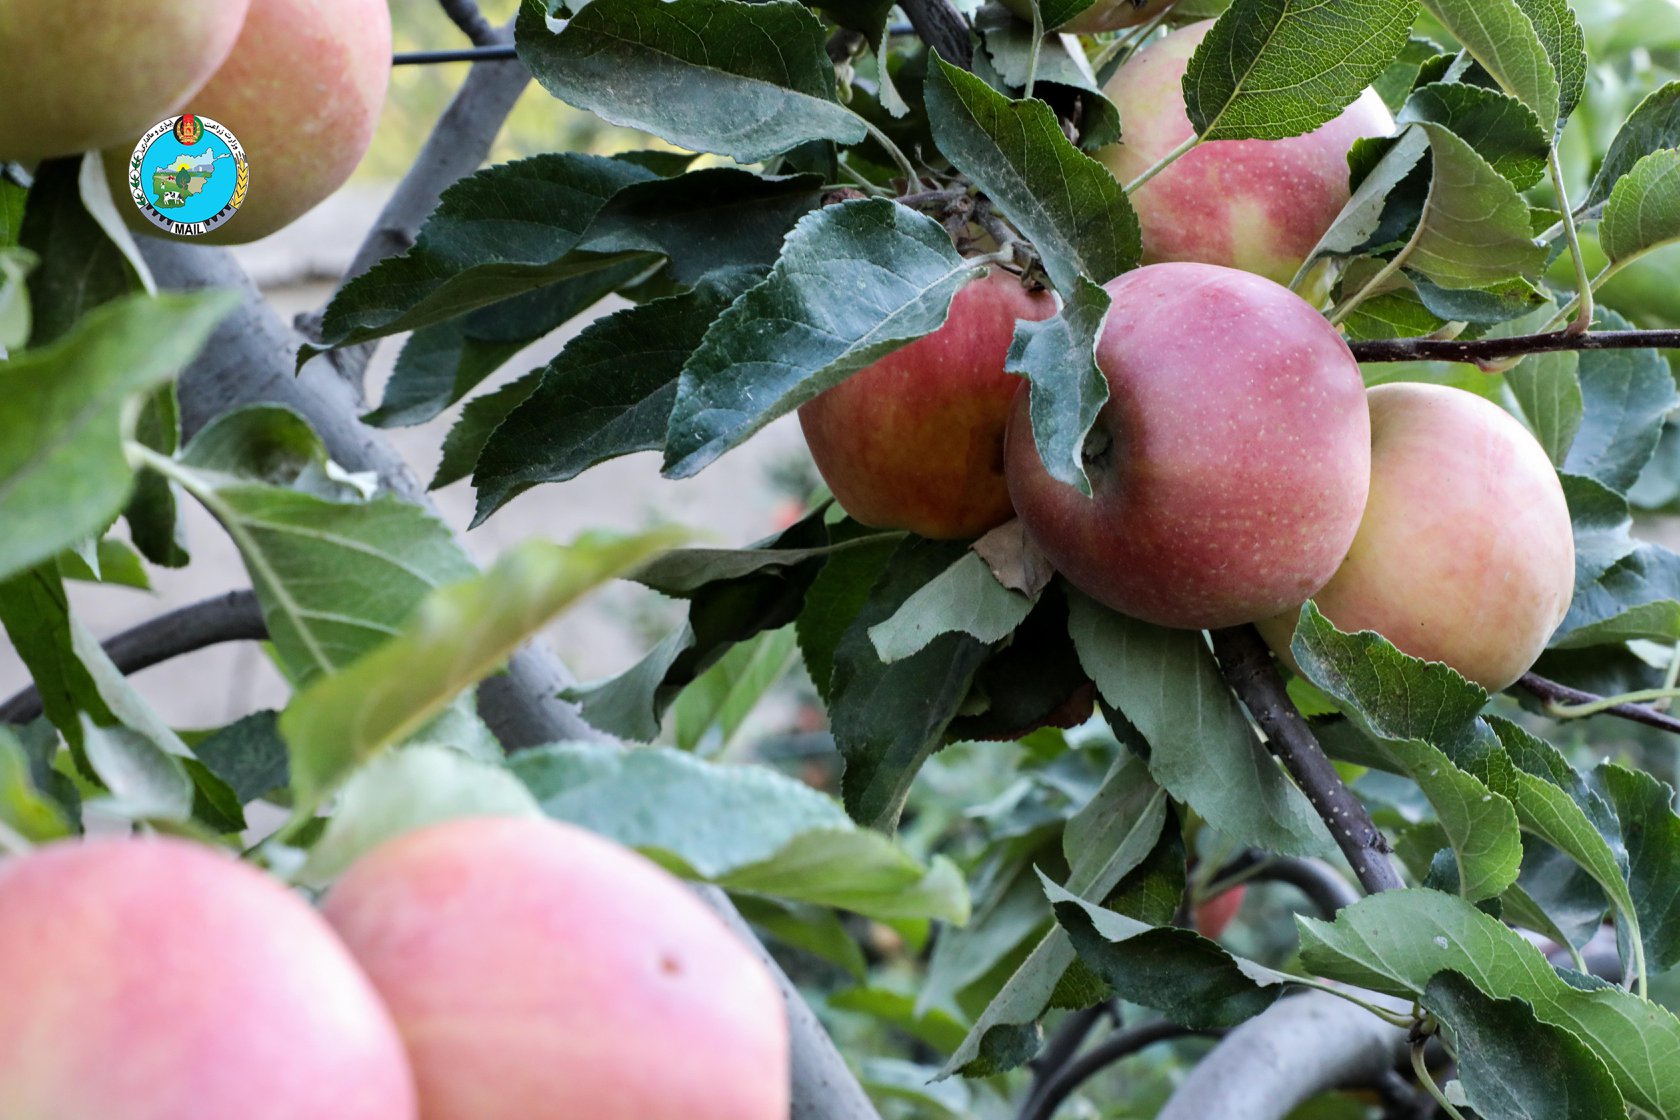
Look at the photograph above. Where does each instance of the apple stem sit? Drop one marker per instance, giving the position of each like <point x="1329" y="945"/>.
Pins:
<point x="1166" y="161"/>
<point x="1425" y="1079"/>
<point x="912" y="181"/>
<point x="1559" y="710"/>
<point x="1032" y="52"/>
<point x="1584" y="286"/>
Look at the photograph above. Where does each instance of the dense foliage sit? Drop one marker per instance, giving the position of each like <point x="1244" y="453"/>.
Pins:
<point x="990" y="860"/>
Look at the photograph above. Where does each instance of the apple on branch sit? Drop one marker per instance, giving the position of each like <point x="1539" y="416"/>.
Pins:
<point x="1466" y="554"/>
<point x="1230" y="465"/>
<point x="915" y="441"/>
<point x="1258" y="205"/>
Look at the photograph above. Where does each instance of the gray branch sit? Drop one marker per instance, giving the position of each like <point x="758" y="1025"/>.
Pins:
<point x="465" y="15"/>
<point x="234" y="617"/>
<point x="1290" y="1053"/>
<point x="251" y="359"/>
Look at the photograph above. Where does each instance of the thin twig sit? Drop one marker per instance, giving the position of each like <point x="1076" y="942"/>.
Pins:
<point x="1247" y="665"/>
<point x="234" y="617"/>
<point x="1487" y="349"/>
<point x="1120" y="1044"/>
<point x="1551" y="692"/>
<point x="471" y="21"/>
<point x="1326" y="889"/>
<point x="501" y="52"/>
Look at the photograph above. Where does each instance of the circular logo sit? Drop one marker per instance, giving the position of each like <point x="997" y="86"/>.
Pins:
<point x="188" y="175"/>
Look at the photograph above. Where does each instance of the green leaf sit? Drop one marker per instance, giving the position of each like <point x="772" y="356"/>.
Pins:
<point x="1475" y="227"/>
<point x="888" y="719"/>
<point x="15" y="317"/>
<point x="1184" y="976"/>
<point x="1362" y="218"/>
<point x="1501" y="129"/>
<point x="81" y="267"/>
<point x="1643" y="212"/>
<point x="1271" y="69"/>
<point x="1512" y="1064"/>
<point x="1565" y="41"/>
<point x="733" y="596"/>
<point x="609" y="393"/>
<point x="1065" y="202"/>
<point x="791" y="337"/>
<point x="1547" y="810"/>
<point x="1654" y="126"/>
<point x="1628" y="395"/>
<point x="442" y="363"/>
<point x="1651" y="832"/>
<point x="459" y="635"/>
<point x="1500" y="35"/>
<point x="1480" y="824"/>
<point x="406" y="790"/>
<point x="36" y="614"/>
<point x="248" y="755"/>
<point x="1397" y="314"/>
<point x="1058" y="357"/>
<point x="1397" y="941"/>
<point x="1061" y="62"/>
<point x="749" y="81"/>
<point x="146" y="782"/>
<point x="24" y="808"/>
<point x="711" y="219"/>
<point x="965" y="598"/>
<point x="152" y="514"/>
<point x="743" y="828"/>
<point x="1115" y="832"/>
<point x="724" y="696"/>
<point x="1395" y="84"/>
<point x="815" y="929"/>
<point x="1201" y="747"/>
<point x="833" y="601"/>
<point x="64" y="413"/>
<point x="118" y="565"/>
<point x="478" y="421"/>
<point x="1638" y="597"/>
<point x="1548" y="390"/>
<point x="497" y="234"/>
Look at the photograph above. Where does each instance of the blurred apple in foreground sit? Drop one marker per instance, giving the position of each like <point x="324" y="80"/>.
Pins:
<point x="158" y="980"/>
<point x="1466" y="554"/>
<point x="1228" y="468"/>
<point x="80" y="77"/>
<point x="535" y="969"/>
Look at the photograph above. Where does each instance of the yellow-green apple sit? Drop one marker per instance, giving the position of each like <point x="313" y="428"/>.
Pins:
<point x="1466" y="554"/>
<point x="915" y="441"/>
<point x="1229" y="467"/>
<point x="99" y="73"/>
<point x="150" y="979"/>
<point x="1104" y="15"/>
<point x="1258" y="205"/>
<point x="535" y="969"/>
<point x="302" y="90"/>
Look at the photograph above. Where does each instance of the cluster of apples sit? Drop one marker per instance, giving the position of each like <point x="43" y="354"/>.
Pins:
<point x="1240" y="467"/>
<point x="301" y="83"/>
<point x="482" y="969"/>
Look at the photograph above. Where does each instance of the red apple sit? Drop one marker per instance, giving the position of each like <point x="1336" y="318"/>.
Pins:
<point x="536" y="970"/>
<point x="302" y="90"/>
<point x="1214" y="915"/>
<point x="1104" y="15"/>
<point x="1466" y="554"/>
<point x="101" y="72"/>
<point x="158" y="980"/>
<point x="915" y="441"/>
<point x="1228" y="468"/>
<point x="1258" y="205"/>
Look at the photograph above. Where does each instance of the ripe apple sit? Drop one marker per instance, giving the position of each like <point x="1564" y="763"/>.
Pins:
<point x="158" y="980"/>
<point x="302" y="90"/>
<point x="106" y="71"/>
<point x="1218" y="912"/>
<point x="535" y="969"/>
<point x="915" y="441"/>
<point x="1104" y="15"/>
<point x="1258" y="205"/>
<point x="1466" y="554"/>
<point x="1228" y="468"/>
